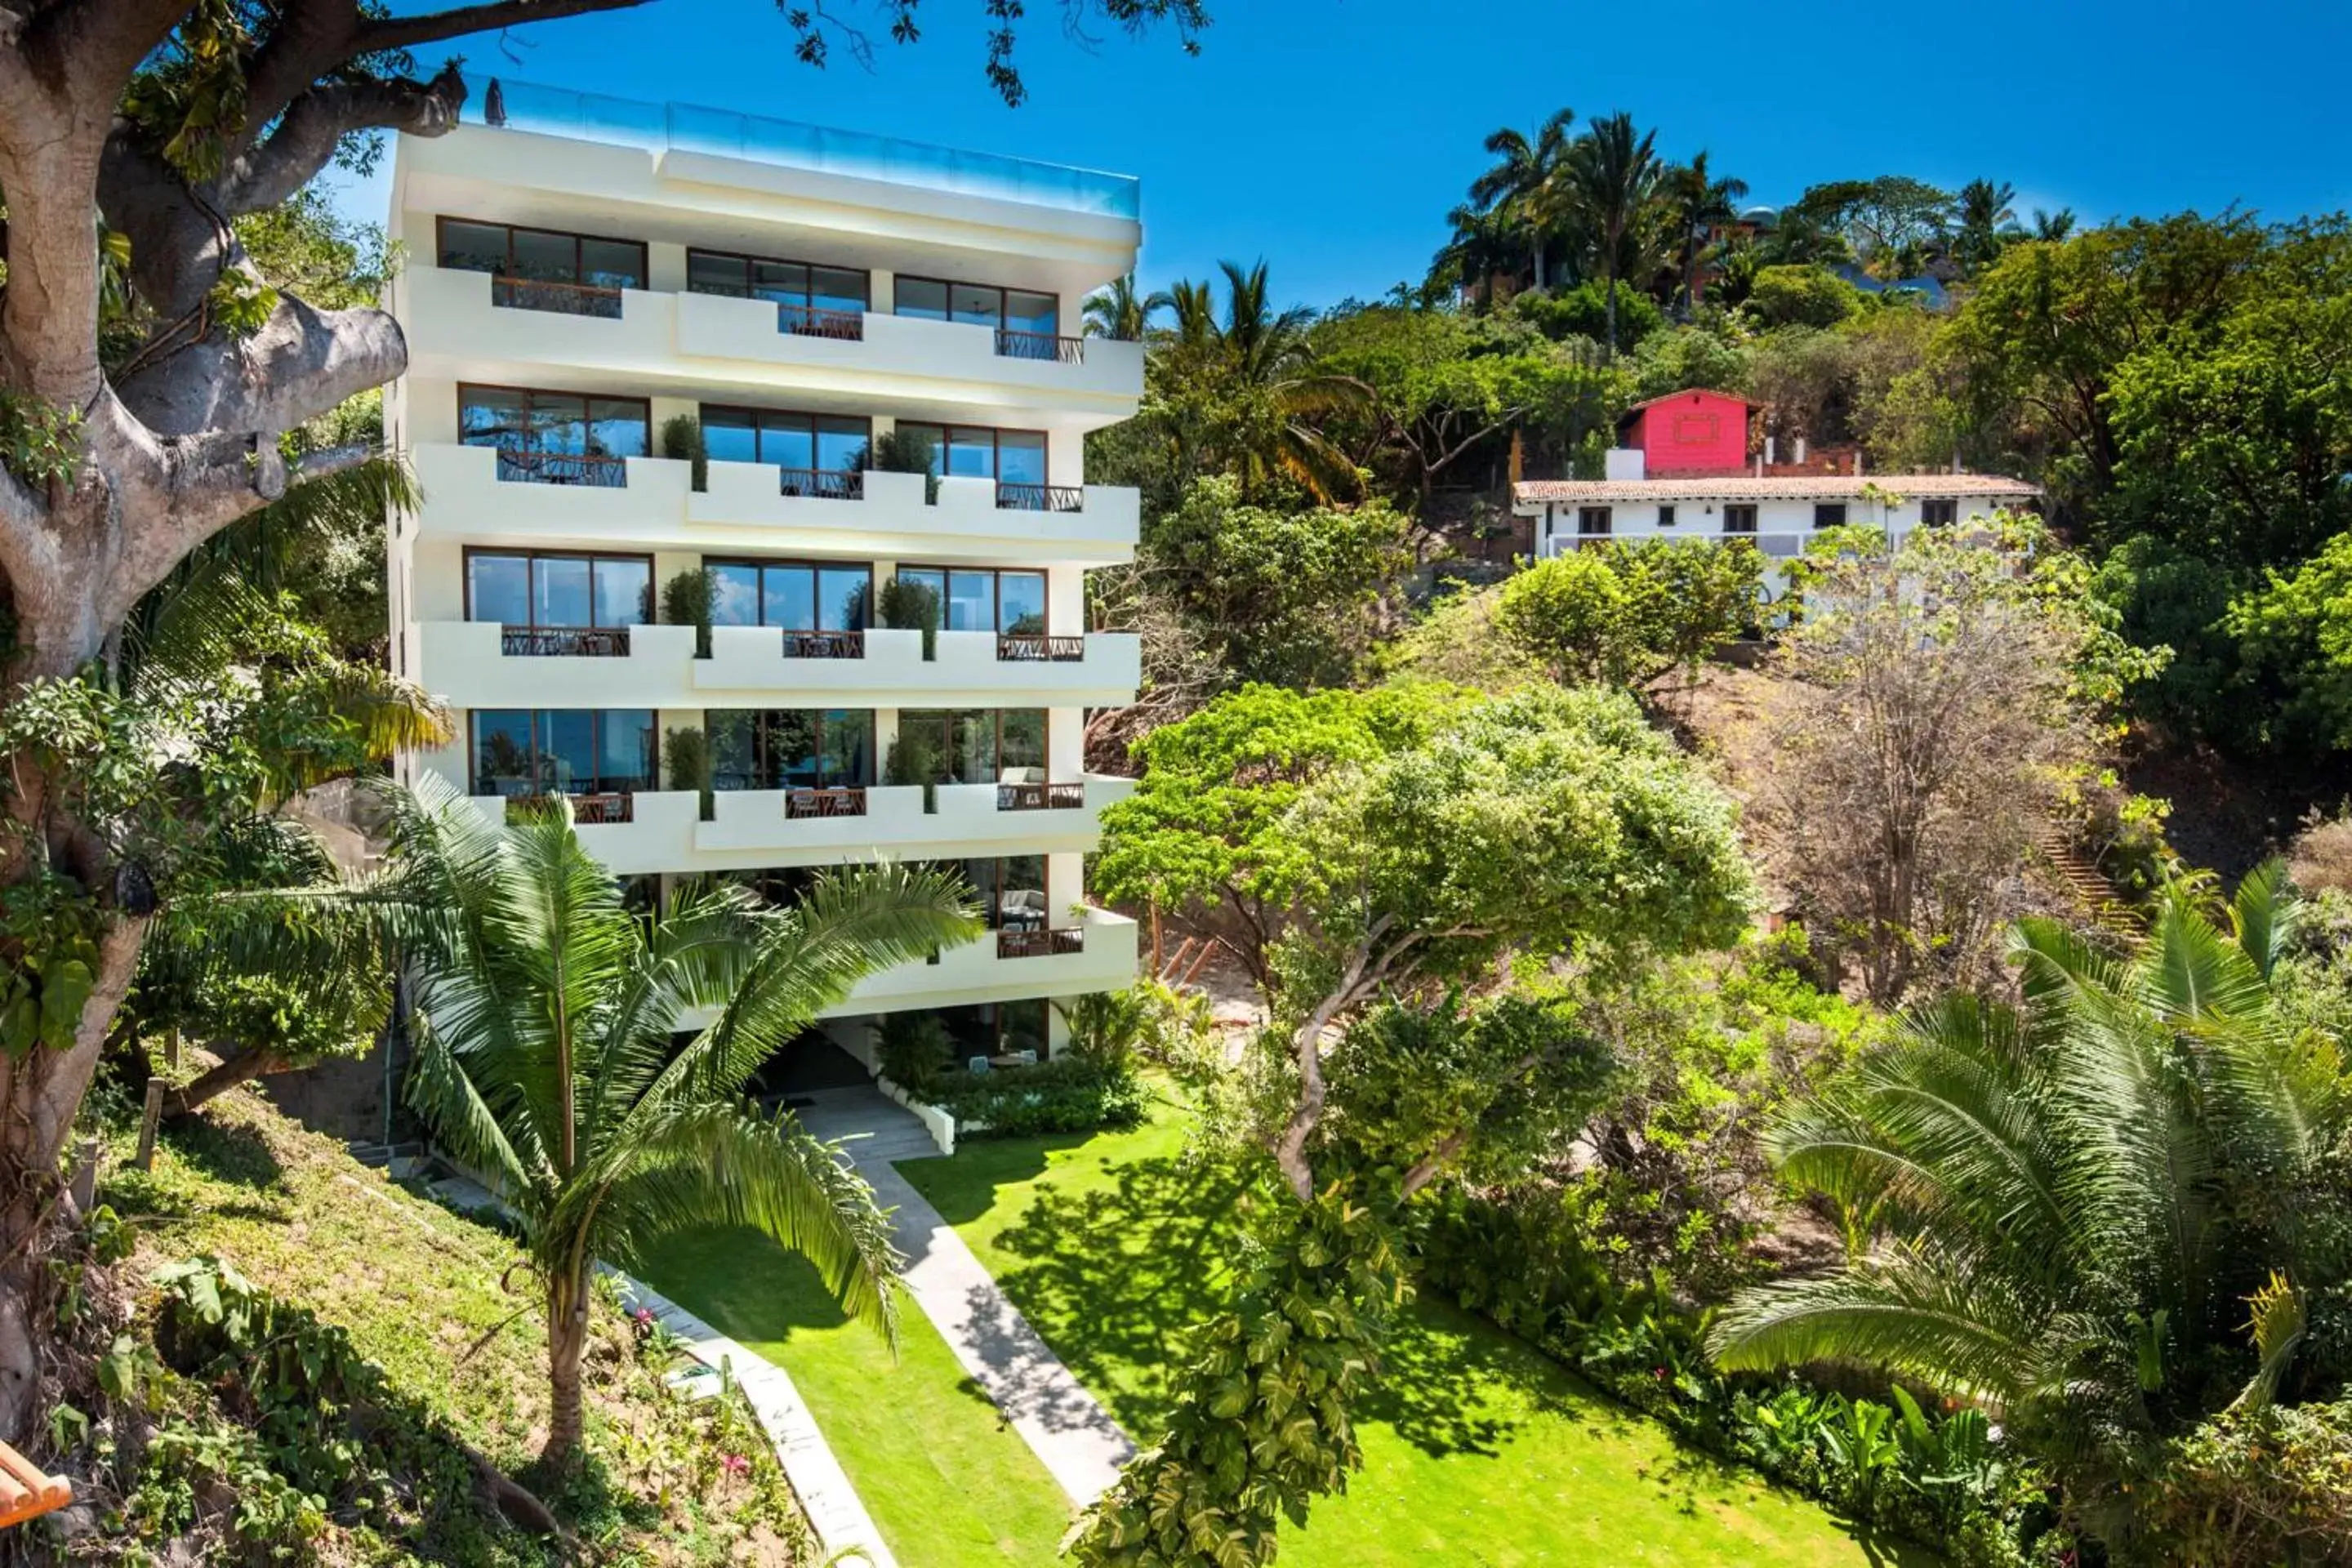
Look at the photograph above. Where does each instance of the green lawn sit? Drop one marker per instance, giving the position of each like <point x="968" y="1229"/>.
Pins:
<point x="946" y="1484"/>
<point x="1477" y="1450"/>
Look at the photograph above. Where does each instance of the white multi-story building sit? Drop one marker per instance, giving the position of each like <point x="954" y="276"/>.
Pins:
<point x="588" y="278"/>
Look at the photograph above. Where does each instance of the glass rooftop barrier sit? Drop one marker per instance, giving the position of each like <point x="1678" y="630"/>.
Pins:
<point x="688" y="128"/>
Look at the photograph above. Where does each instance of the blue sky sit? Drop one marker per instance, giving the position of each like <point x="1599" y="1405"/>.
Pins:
<point x="1330" y="136"/>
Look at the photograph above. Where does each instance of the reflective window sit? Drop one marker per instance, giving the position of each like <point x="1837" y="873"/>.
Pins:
<point x="562" y="750"/>
<point x="977" y="451"/>
<point x="797" y="283"/>
<point x="981" y="304"/>
<point x="527" y="588"/>
<point x="978" y="745"/>
<point x="822" y="443"/>
<point x="541" y="255"/>
<point x="797" y="595"/>
<point x="791" y="749"/>
<point x="525" y="419"/>
<point x="978" y="599"/>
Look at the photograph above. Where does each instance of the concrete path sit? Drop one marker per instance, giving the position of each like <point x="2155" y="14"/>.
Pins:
<point x="1079" y="1443"/>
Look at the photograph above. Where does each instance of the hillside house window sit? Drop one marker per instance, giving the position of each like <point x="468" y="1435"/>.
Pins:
<point x="556" y="437"/>
<point x="1010" y="603"/>
<point x="810" y="299"/>
<point x="1665" y="517"/>
<point x="545" y="269"/>
<point x="1829" y="514"/>
<point x="1740" y="519"/>
<point x="1592" y="521"/>
<point x="1939" y="513"/>
<point x="797" y="595"/>
<point x="519" y="752"/>
<point x="560" y="603"/>
<point x="791" y="749"/>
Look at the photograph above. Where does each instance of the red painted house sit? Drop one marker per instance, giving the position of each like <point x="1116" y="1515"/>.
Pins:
<point x="1688" y="435"/>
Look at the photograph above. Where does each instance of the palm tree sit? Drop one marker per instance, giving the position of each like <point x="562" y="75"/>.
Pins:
<point x="1273" y="391"/>
<point x="2075" y="1200"/>
<point x="1615" y="176"/>
<point x="1524" y="188"/>
<point x="2052" y="228"/>
<point x="1115" y="310"/>
<point x="1702" y="204"/>
<point x="1195" y="307"/>
<point x="1987" y="223"/>
<point x="546" y="1054"/>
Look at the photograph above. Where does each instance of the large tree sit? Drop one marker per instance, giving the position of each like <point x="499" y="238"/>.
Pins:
<point x="148" y="369"/>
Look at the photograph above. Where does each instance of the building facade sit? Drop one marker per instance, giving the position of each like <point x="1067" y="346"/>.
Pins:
<point x="652" y="346"/>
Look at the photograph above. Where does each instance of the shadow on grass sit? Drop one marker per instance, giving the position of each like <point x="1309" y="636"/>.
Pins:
<point x="236" y="1154"/>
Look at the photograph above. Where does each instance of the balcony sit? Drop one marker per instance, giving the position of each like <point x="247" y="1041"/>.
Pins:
<point x="521" y="464"/>
<point x="481" y="663"/>
<point x="1015" y="647"/>
<point x="1039" y="941"/>
<point x="511" y="293"/>
<point x="596" y="808"/>
<point x="719" y="346"/>
<point x="1039" y="498"/>
<point x="1041" y="796"/>
<point x="472" y="494"/>
<point x="806" y="804"/>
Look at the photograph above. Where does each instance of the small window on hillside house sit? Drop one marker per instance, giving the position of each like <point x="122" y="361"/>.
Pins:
<point x="1739" y="520"/>
<point x="1939" y="513"/>
<point x="1592" y="520"/>
<point x="1665" y="517"/>
<point x="1829" y="514"/>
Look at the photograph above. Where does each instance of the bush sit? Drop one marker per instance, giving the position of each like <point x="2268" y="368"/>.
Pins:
<point x="911" y="606"/>
<point x="902" y="452"/>
<point x="1583" y="312"/>
<point x="911" y="1047"/>
<point x="1068" y="1094"/>
<point x="682" y="442"/>
<point x="2321" y="860"/>
<point x="686" y="601"/>
<point x="2257" y="1485"/>
<point x="1800" y="297"/>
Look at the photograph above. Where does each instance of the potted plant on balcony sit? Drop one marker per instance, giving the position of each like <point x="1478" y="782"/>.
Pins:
<point x="685" y="753"/>
<point x="686" y="601"/>
<point x="682" y="442"/>
<point x="913" y="607"/>
<point x="915" y="759"/>
<point x="902" y="452"/>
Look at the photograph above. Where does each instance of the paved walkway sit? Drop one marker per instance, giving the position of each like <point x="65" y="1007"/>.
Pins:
<point x="1079" y="1443"/>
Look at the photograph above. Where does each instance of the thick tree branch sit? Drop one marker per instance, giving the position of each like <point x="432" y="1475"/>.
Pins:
<point x="435" y="27"/>
<point x="302" y="363"/>
<point x="315" y="125"/>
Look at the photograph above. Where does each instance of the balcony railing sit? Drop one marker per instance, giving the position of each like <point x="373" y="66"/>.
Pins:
<point x="1040" y="796"/>
<point x="1025" y="649"/>
<point x="806" y="803"/>
<point x="531" y="465"/>
<point x="1040" y="942"/>
<point x="564" y="642"/>
<point x="1040" y="346"/>
<point x="596" y="807"/>
<point x="1040" y="497"/>
<point x="812" y="322"/>
<point x="551" y="294"/>
<point x="825" y="484"/>
<point x="824" y="644"/>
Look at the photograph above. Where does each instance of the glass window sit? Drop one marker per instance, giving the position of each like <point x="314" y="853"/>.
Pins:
<point x="788" y="598"/>
<point x="780" y="282"/>
<point x="473" y="247"/>
<point x="934" y="578"/>
<point x="567" y="750"/>
<point x="786" y="441"/>
<point x="617" y="428"/>
<point x="730" y="434"/>
<point x="498" y="589"/>
<point x="843" y="592"/>
<point x="1592" y="519"/>
<point x="837" y="288"/>
<point x="976" y="303"/>
<point x="923" y="298"/>
<point x="1026" y="313"/>
<point x="1829" y="514"/>
<point x="487" y="415"/>
<point x="624" y="592"/>
<point x="551" y="258"/>
<point x="624" y="751"/>
<point x="1023" y="739"/>
<point x="734" y="749"/>
<point x="841" y="442"/>
<point x="831" y="443"/>
<point x="709" y="273"/>
<point x="972" y="452"/>
<point x="1665" y="517"/>
<point x="559" y="422"/>
<point x="1021" y="603"/>
<point x="1738" y="520"/>
<point x="502" y="752"/>
<point x="971" y="600"/>
<point x="1021" y="456"/>
<point x="559" y="591"/>
<point x="846" y="753"/>
<point x="734" y="595"/>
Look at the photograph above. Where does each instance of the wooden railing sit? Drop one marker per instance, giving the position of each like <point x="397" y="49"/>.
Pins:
<point x="1038" y="942"/>
<point x="824" y="644"/>
<point x="530" y="465"/>
<point x="596" y="808"/>
<point x="564" y="642"/>
<point x="825" y="484"/>
<point x="548" y="294"/>
<point x="811" y="322"/>
<point x="1024" y="648"/>
<point x="806" y="803"/>
<point x="1040" y="497"/>
<point x="1040" y="346"/>
<point x="1040" y="796"/>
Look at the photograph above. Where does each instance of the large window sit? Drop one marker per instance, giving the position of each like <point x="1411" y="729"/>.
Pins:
<point x="820" y="454"/>
<point x="979" y="452"/>
<point x="1739" y="519"/>
<point x="562" y="750"/>
<point x="555" y="438"/>
<point x="797" y="595"/>
<point x="824" y="302"/>
<point x="1019" y="310"/>
<point x="1010" y="603"/>
<point x="791" y="749"/>
<point x="545" y="269"/>
<point x="981" y="745"/>
<point x="1010" y="889"/>
<point x="560" y="603"/>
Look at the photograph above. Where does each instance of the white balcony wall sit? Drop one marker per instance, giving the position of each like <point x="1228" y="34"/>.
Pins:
<point x="745" y="511"/>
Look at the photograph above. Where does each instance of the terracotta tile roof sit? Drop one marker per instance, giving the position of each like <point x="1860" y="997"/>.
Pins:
<point x="1810" y="487"/>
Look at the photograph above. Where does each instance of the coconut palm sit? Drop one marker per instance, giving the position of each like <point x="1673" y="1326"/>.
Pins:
<point x="546" y="1024"/>
<point x="1702" y="204"/>
<point x="2052" y="228"/>
<point x="1274" y="392"/>
<point x="2074" y="1201"/>
<point x="1524" y="188"/>
<point x="1613" y="176"/>
<point x="1115" y="310"/>
<point x="1987" y="223"/>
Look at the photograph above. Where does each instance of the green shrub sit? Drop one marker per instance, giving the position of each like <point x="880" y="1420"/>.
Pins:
<point x="2255" y="1486"/>
<point x="686" y="601"/>
<point x="1802" y="297"/>
<point x="686" y="757"/>
<point x="902" y="452"/>
<point x="911" y="1047"/>
<point x="682" y="442"/>
<point x="911" y="606"/>
<point x="1068" y="1094"/>
<point x="1583" y="312"/>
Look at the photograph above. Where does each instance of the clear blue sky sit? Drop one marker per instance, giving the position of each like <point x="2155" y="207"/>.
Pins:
<point x="1330" y="136"/>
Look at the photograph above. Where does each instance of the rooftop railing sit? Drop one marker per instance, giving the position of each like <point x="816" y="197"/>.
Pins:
<point x="688" y="128"/>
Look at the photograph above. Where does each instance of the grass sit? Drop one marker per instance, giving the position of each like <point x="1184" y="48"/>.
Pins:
<point x="945" y="1482"/>
<point x="1477" y="1449"/>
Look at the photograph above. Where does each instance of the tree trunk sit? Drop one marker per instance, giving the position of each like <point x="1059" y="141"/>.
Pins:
<point x="236" y="1068"/>
<point x="567" y="1337"/>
